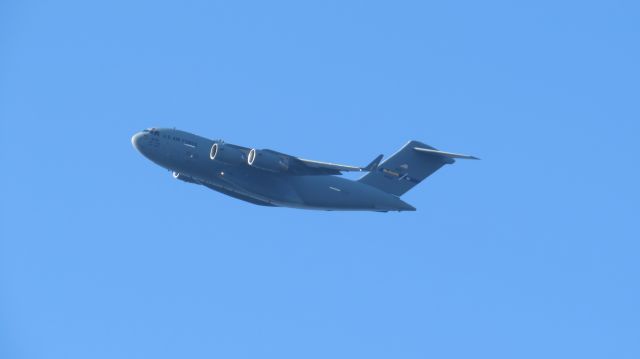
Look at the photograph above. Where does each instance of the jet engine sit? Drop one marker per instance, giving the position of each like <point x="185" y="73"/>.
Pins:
<point x="184" y="178"/>
<point x="268" y="160"/>
<point x="227" y="154"/>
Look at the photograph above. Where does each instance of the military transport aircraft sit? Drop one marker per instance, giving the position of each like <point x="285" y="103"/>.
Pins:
<point x="269" y="178"/>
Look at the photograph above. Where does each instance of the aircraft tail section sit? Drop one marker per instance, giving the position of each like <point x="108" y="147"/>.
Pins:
<point x="409" y="166"/>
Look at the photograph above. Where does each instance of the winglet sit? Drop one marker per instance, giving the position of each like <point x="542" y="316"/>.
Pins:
<point x="374" y="164"/>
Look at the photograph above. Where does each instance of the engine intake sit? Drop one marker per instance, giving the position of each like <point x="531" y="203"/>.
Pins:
<point x="268" y="160"/>
<point x="226" y="154"/>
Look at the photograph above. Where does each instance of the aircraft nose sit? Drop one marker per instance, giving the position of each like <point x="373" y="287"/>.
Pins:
<point x="136" y="141"/>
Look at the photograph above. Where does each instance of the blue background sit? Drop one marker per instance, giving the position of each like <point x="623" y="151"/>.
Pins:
<point x="530" y="253"/>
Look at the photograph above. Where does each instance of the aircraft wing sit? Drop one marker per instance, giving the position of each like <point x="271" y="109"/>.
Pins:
<point x="298" y="166"/>
<point x="329" y="166"/>
<point x="312" y="167"/>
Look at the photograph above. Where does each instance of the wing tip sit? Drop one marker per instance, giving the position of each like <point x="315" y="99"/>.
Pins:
<point x="373" y="165"/>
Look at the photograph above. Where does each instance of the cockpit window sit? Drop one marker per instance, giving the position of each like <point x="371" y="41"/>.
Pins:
<point x="152" y="131"/>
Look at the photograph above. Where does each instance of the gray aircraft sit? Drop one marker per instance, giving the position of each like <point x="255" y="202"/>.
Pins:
<point x="269" y="178"/>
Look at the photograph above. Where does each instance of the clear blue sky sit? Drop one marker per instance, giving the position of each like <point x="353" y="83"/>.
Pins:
<point x="530" y="253"/>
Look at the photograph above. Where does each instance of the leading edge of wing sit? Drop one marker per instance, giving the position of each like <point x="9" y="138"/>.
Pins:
<point x="341" y="168"/>
<point x="329" y="165"/>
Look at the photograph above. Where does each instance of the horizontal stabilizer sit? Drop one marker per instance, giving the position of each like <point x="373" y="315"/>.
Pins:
<point x="445" y="154"/>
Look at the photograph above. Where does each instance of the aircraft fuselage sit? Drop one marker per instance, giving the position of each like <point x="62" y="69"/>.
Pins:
<point x="188" y="157"/>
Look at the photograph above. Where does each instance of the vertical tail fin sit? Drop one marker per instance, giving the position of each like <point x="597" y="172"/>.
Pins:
<point x="408" y="167"/>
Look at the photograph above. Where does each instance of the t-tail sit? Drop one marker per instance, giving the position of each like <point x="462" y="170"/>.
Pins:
<point x="409" y="166"/>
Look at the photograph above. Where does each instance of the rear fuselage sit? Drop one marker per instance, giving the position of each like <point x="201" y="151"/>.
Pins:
<point x="188" y="156"/>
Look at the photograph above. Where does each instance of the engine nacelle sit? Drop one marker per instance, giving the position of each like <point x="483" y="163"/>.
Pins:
<point x="268" y="161"/>
<point x="226" y="154"/>
<point x="184" y="178"/>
